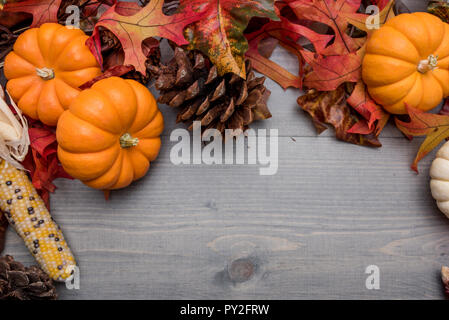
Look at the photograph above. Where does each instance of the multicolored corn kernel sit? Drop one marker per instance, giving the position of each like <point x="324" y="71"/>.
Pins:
<point x="26" y="212"/>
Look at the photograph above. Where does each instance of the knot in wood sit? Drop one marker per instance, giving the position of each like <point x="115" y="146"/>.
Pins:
<point x="241" y="270"/>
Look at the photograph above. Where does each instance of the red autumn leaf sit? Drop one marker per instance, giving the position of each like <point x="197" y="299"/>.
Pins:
<point x="3" y="228"/>
<point x="434" y="126"/>
<point x="330" y="107"/>
<point x="41" y="138"/>
<point x="287" y="33"/>
<point x="42" y="10"/>
<point x="361" y="127"/>
<point x="380" y="3"/>
<point x="361" y="101"/>
<point x="445" y="108"/>
<point x="333" y="13"/>
<point x="328" y="73"/>
<point x="42" y="161"/>
<point x="332" y="64"/>
<point x="115" y="71"/>
<point x="132" y="25"/>
<point x="219" y="34"/>
<point x="381" y="123"/>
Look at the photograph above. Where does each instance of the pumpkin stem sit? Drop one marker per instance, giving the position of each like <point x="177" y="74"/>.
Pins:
<point x="127" y="141"/>
<point x="45" y="73"/>
<point x="431" y="63"/>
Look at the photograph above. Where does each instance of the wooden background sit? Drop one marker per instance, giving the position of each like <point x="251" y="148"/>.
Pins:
<point x="225" y="232"/>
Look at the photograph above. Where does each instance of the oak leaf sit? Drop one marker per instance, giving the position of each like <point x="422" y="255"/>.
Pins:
<point x="42" y="10"/>
<point x="333" y="13"/>
<point x="132" y="25"/>
<point x="287" y="34"/>
<point x="434" y="126"/>
<point x="219" y="34"/>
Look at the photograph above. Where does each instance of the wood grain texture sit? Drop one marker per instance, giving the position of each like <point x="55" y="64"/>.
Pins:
<point x="225" y="232"/>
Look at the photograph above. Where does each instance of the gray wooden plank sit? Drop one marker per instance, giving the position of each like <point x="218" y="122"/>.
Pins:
<point x="331" y="210"/>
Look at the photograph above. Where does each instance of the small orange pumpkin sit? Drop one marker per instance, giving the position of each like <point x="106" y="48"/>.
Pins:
<point x="407" y="61"/>
<point x="110" y="134"/>
<point x="45" y="69"/>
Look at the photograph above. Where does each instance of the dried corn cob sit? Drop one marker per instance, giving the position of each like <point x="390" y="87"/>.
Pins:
<point x="21" y="204"/>
<point x="27" y="213"/>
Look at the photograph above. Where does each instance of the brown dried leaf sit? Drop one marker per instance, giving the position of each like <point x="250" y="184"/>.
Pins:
<point x="439" y="8"/>
<point x="330" y="107"/>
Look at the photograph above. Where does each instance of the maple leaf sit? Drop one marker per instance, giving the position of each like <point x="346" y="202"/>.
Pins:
<point x="329" y="107"/>
<point x="434" y="126"/>
<point x="132" y="25"/>
<point x="42" y="10"/>
<point x="287" y="33"/>
<point x="219" y="34"/>
<point x="3" y="228"/>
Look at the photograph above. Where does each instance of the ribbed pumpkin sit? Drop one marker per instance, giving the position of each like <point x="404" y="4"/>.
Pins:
<point x="45" y="69"/>
<point x="407" y="61"/>
<point x="110" y="134"/>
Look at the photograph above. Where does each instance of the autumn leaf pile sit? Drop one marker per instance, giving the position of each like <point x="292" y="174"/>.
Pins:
<point x="327" y="37"/>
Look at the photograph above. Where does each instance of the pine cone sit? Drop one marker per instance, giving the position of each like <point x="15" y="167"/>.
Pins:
<point x="20" y="283"/>
<point x="191" y="82"/>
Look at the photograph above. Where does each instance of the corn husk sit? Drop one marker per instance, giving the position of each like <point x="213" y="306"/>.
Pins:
<point x="14" y="139"/>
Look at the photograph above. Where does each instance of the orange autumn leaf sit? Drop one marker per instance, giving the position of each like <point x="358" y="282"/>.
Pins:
<point x="132" y="25"/>
<point x="434" y="126"/>
<point x="328" y="73"/>
<point x="361" y="101"/>
<point x="287" y="33"/>
<point x="333" y="13"/>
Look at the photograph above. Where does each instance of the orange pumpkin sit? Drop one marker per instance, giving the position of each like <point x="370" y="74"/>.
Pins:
<point x="45" y="69"/>
<point x="110" y="134"/>
<point x="407" y="61"/>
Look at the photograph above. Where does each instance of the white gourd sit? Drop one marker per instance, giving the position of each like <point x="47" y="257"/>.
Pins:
<point x="439" y="183"/>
